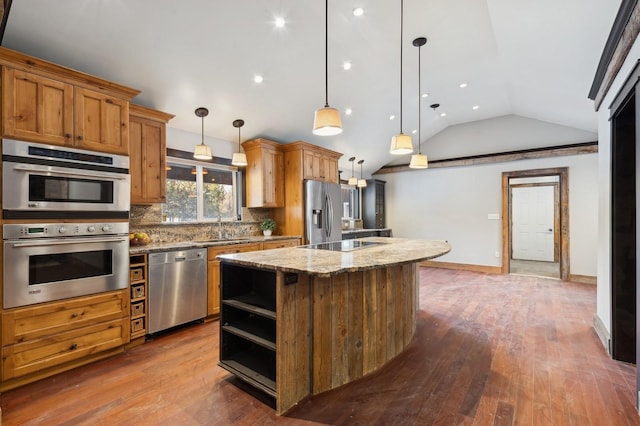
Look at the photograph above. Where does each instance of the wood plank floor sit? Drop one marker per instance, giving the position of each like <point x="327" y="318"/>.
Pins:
<point x="489" y="350"/>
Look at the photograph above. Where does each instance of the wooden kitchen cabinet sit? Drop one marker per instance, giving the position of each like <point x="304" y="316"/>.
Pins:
<point x="213" y="272"/>
<point x="45" y="339"/>
<point x="138" y="290"/>
<point x="318" y="164"/>
<point x="36" y="108"/>
<point x="264" y="173"/>
<point x="47" y="103"/>
<point x="147" y="154"/>
<point x="292" y="242"/>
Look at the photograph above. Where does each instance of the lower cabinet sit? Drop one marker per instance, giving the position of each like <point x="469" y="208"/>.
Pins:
<point x="45" y="339"/>
<point x="263" y="326"/>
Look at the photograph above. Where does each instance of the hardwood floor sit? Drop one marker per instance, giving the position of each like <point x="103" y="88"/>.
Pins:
<point x="489" y="350"/>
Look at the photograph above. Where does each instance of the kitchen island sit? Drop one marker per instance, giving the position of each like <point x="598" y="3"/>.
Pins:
<point x="299" y="321"/>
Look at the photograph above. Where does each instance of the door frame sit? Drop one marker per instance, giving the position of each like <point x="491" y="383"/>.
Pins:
<point x="563" y="203"/>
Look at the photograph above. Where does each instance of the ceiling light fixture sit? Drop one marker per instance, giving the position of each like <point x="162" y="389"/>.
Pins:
<point x="258" y="79"/>
<point x="401" y="143"/>
<point x="475" y="107"/>
<point x="239" y="158"/>
<point x="443" y="114"/>
<point x="202" y="151"/>
<point x="353" y="181"/>
<point x="348" y="111"/>
<point x="425" y="95"/>
<point x="419" y="160"/>
<point x="279" y="22"/>
<point x="346" y="66"/>
<point x="358" y="11"/>
<point x="463" y="85"/>
<point x="361" y="182"/>
<point x="327" y="120"/>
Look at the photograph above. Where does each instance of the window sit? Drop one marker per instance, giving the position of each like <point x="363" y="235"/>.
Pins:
<point x="198" y="191"/>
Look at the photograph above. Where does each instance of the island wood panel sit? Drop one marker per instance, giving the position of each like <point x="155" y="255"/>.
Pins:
<point x="360" y="321"/>
<point x="293" y="378"/>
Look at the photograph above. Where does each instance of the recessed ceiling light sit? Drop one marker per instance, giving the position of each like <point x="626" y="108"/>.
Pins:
<point x="463" y="85"/>
<point x="257" y="78"/>
<point x="425" y="95"/>
<point x="392" y="117"/>
<point x="279" y="22"/>
<point x="443" y="114"/>
<point x="414" y="131"/>
<point x="346" y="65"/>
<point x="358" y="11"/>
<point x="348" y="111"/>
<point x="476" y="107"/>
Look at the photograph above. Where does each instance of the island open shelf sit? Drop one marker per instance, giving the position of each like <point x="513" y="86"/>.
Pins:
<point x="299" y="321"/>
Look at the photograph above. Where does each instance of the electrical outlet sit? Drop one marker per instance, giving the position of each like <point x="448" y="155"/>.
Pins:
<point x="497" y="254"/>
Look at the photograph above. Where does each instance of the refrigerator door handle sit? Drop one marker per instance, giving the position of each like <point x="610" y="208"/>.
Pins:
<point x="329" y="215"/>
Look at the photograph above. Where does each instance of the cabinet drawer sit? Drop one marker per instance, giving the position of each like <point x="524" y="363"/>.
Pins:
<point x="38" y="354"/>
<point x="22" y="324"/>
<point x="267" y="245"/>
<point x="137" y="291"/>
<point x="212" y="252"/>
<point x="137" y="325"/>
<point x="137" y="309"/>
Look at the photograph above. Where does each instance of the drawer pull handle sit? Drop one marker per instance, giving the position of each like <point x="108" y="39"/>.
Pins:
<point x="73" y="347"/>
<point x="74" y="315"/>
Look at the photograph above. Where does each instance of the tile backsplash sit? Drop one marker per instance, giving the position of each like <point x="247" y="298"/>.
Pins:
<point x="148" y="218"/>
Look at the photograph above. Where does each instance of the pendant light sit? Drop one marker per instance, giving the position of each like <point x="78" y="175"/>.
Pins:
<point x="419" y="160"/>
<point x="353" y="181"/>
<point x="361" y="182"/>
<point x="202" y="151"/>
<point x="239" y="158"/>
<point x="401" y="143"/>
<point x="327" y="120"/>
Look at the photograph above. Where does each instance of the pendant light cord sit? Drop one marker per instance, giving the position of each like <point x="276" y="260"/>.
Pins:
<point x="203" y="130"/>
<point x="419" y="102"/>
<point x="326" y="54"/>
<point x="401" y="28"/>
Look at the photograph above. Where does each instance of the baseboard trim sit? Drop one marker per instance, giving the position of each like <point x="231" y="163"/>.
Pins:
<point x="602" y="332"/>
<point x="584" y="279"/>
<point x="462" y="266"/>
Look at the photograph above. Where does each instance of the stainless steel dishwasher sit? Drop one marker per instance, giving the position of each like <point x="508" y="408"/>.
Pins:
<point x="177" y="288"/>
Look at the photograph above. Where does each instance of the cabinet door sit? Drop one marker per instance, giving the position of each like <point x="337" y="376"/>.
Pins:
<point x="312" y="165"/>
<point x="36" y="108"/>
<point x="101" y="122"/>
<point x="147" y="157"/>
<point x="272" y="179"/>
<point x="213" y="287"/>
<point x="330" y="169"/>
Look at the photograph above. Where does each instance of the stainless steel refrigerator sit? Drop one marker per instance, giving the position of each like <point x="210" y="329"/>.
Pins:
<point x="322" y="220"/>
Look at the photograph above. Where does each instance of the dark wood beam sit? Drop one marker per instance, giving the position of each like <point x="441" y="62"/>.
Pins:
<point x="5" y="8"/>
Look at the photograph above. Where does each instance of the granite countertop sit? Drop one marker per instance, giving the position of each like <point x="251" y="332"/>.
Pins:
<point x="184" y="245"/>
<point x="325" y="263"/>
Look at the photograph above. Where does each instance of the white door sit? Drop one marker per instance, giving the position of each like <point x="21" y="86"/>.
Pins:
<point x="532" y="222"/>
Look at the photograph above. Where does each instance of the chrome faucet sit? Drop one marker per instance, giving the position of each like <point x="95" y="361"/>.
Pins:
<point x="219" y="227"/>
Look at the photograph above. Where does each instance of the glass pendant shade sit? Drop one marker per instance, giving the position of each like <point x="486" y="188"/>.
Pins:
<point x="353" y="181"/>
<point x="202" y="152"/>
<point x="401" y="144"/>
<point x="239" y="159"/>
<point x="419" y="161"/>
<point x="327" y="122"/>
<point x="362" y="183"/>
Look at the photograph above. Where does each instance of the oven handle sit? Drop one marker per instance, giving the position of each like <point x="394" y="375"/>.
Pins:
<point x="58" y="241"/>
<point x="92" y="175"/>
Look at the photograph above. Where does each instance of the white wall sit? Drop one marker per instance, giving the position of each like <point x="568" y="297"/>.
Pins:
<point x="603" y="301"/>
<point x="185" y="141"/>
<point x="453" y="203"/>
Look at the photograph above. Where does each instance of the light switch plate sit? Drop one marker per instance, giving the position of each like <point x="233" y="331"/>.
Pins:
<point x="493" y="216"/>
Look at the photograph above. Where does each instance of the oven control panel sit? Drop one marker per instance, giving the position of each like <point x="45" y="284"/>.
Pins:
<point x="56" y="230"/>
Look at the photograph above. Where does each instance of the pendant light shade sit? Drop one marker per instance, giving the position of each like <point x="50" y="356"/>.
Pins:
<point x="401" y="144"/>
<point x="419" y="160"/>
<point x="361" y="182"/>
<point x="327" y="120"/>
<point x="202" y="151"/>
<point x="239" y="158"/>
<point x="353" y="181"/>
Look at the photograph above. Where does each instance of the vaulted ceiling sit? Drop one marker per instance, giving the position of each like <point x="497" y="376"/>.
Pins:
<point x="534" y="59"/>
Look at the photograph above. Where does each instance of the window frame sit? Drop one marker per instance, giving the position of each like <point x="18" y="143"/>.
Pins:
<point x="199" y="166"/>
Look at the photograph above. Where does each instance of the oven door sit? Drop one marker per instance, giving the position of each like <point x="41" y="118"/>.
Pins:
<point x="32" y="190"/>
<point x="47" y="269"/>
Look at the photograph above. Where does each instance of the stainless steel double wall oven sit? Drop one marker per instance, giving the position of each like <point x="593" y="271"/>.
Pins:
<point x="66" y="224"/>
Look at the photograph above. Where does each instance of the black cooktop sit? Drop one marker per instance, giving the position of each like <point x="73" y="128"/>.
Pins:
<point x="344" y="245"/>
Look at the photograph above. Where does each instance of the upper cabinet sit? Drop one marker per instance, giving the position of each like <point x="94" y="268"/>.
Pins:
<point x="319" y="164"/>
<point x="147" y="153"/>
<point x="265" y="173"/>
<point x="44" y="102"/>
